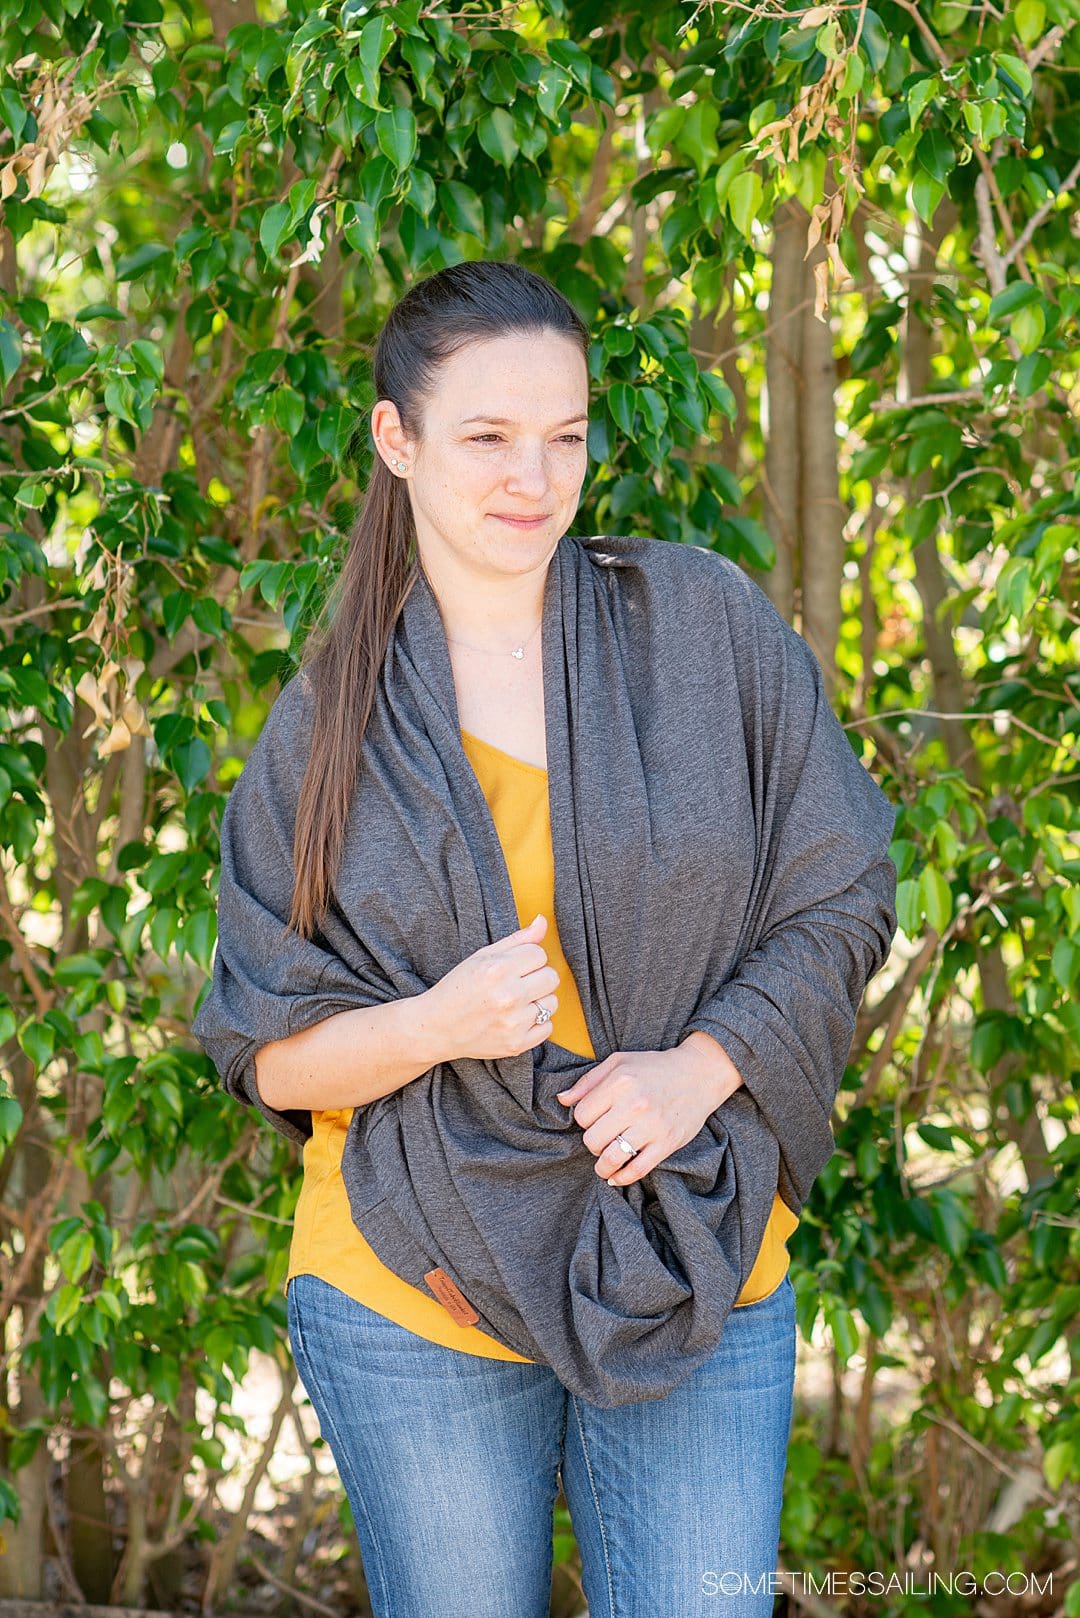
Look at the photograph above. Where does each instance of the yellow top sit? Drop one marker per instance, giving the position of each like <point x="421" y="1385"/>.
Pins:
<point x="325" y="1240"/>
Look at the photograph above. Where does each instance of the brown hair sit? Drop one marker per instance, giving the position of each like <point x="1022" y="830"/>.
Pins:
<point x="344" y="653"/>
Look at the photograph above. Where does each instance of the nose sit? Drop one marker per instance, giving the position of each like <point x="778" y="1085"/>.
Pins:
<point x="527" y="474"/>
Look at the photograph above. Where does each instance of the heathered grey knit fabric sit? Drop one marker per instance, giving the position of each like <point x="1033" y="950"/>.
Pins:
<point x="721" y="862"/>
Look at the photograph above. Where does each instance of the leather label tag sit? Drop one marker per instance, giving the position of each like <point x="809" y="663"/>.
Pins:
<point x="452" y="1297"/>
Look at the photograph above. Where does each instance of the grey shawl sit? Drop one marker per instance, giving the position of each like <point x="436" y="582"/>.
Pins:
<point x="721" y="862"/>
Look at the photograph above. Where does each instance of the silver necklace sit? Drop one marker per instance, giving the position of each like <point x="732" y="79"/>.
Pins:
<point x="517" y="651"/>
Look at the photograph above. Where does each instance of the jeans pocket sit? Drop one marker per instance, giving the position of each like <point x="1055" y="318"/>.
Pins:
<point x="292" y="1318"/>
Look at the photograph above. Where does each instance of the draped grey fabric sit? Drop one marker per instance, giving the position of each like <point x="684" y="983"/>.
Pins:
<point x="721" y="862"/>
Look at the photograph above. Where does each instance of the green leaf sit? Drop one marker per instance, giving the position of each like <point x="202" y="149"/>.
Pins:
<point x="934" y="1135"/>
<point x="1015" y="296"/>
<point x="11" y="1117"/>
<point x="198" y="937"/>
<point x="725" y="174"/>
<point x="621" y="403"/>
<point x="376" y="38"/>
<point x="421" y="59"/>
<point x="987" y="1262"/>
<point x="950" y="1221"/>
<point x="697" y="137"/>
<point x="602" y="86"/>
<point x="497" y="136"/>
<point x="867" y="1161"/>
<point x="1028" y="327"/>
<point x="552" y="89"/>
<point x="662" y="128"/>
<point x="175" y="608"/>
<point x="655" y="409"/>
<point x="926" y="193"/>
<point x="89" y="1401"/>
<point x="108" y="1304"/>
<point x="301" y="197"/>
<point x="744" y="200"/>
<point x="935" y="154"/>
<point x="936" y="898"/>
<point x="421" y="192"/>
<point x="973" y="117"/>
<point x="129" y="266"/>
<point x="148" y="358"/>
<point x="288" y="410"/>
<point x="191" y="761"/>
<point x="571" y="56"/>
<point x="10" y="352"/>
<point x="98" y="311"/>
<point x="724" y="484"/>
<point x="77" y="1254"/>
<point x="63" y="1305"/>
<point x="273" y="226"/>
<point x="79" y="968"/>
<point x="845" y="1332"/>
<point x="205" y="52"/>
<point x="1061" y="1460"/>
<point x="13" y="112"/>
<point x="164" y="927"/>
<point x="1016" y="70"/>
<point x="756" y="542"/>
<point x="908" y="907"/>
<point x="361" y="229"/>
<point x="462" y="208"/>
<point x="918" y="96"/>
<point x="618" y="340"/>
<point x="38" y="1040"/>
<point x="228" y="137"/>
<point x="1031" y="373"/>
<point x="395" y="132"/>
<point x="1041" y="1340"/>
<point x="499" y="83"/>
<point x="854" y="76"/>
<point x="1065" y="963"/>
<point x="876" y="1308"/>
<point x="720" y="395"/>
<point x="120" y="399"/>
<point x="689" y="409"/>
<point x="1028" y="20"/>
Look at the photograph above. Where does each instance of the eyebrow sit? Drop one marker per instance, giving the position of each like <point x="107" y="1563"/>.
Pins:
<point x="504" y="421"/>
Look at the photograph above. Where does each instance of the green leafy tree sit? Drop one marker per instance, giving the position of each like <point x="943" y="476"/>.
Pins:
<point x="829" y="261"/>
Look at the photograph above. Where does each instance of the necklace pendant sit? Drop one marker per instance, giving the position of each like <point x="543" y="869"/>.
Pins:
<point x="519" y="651"/>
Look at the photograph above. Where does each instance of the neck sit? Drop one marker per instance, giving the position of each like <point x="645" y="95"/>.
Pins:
<point x="484" y="607"/>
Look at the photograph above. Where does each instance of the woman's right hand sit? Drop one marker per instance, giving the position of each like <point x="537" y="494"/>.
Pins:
<point x="485" y="1006"/>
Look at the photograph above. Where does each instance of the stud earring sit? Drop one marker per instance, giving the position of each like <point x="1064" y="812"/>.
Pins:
<point x="400" y="466"/>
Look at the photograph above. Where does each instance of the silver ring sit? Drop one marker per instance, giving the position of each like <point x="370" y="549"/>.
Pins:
<point x="621" y="1141"/>
<point x="542" y="1013"/>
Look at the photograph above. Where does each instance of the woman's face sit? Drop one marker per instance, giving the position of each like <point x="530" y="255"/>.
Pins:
<point x="503" y="438"/>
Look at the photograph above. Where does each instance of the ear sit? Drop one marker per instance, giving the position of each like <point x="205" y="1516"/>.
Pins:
<point x="390" y="438"/>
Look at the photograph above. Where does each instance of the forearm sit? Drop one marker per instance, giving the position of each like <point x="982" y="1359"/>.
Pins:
<point x="352" y="1057"/>
<point x="719" y="1072"/>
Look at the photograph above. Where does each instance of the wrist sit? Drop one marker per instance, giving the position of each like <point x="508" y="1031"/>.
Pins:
<point x="431" y="1038"/>
<point x="718" y="1069"/>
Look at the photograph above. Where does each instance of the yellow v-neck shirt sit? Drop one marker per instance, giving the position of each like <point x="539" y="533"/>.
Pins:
<point x="325" y="1240"/>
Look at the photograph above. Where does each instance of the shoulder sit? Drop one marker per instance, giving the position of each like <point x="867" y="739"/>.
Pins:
<point x="664" y="559"/>
<point x="695" y="577"/>
<point x="277" y="759"/>
<point x="690" y="590"/>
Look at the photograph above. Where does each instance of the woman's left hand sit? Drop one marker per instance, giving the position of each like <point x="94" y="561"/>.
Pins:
<point x="657" y="1100"/>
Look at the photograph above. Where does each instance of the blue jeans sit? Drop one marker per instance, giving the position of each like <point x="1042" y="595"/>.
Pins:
<point x="452" y="1463"/>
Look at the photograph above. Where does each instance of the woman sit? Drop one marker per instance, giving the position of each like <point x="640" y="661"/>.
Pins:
<point x="514" y="1264"/>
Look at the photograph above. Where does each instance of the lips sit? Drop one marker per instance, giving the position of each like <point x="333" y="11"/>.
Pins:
<point x="522" y="522"/>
